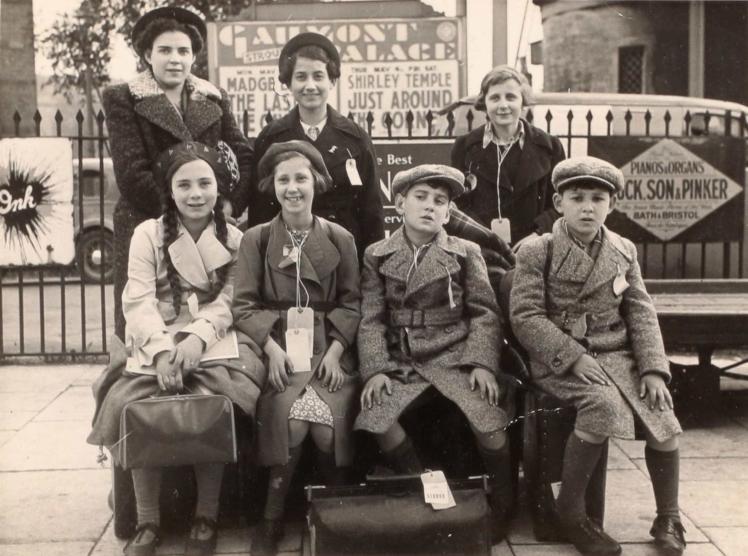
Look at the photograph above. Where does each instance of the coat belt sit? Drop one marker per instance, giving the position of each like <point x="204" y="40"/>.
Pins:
<point x="418" y="318"/>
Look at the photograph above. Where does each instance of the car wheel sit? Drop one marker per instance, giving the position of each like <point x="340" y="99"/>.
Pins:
<point x="95" y="247"/>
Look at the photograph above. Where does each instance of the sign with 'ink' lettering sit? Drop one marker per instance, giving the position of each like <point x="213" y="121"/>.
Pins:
<point x="36" y="201"/>
<point x="687" y="189"/>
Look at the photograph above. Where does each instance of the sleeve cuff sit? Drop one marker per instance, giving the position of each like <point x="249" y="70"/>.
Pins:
<point x="161" y="341"/>
<point x="204" y="330"/>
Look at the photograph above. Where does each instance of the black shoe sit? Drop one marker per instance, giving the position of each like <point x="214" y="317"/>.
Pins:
<point x="669" y="535"/>
<point x="589" y="538"/>
<point x="266" y="538"/>
<point x="196" y="546"/>
<point x="135" y="548"/>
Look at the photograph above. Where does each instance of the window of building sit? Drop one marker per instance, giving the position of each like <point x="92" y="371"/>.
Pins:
<point x="631" y="69"/>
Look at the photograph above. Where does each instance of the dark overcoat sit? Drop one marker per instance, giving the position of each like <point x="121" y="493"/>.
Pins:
<point x="265" y="290"/>
<point x="622" y="331"/>
<point x="525" y="186"/>
<point x="444" y="343"/>
<point x="357" y="208"/>
<point x="142" y="123"/>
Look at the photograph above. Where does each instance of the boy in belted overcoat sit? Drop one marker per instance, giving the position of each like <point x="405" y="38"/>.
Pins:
<point x="580" y="308"/>
<point x="430" y="327"/>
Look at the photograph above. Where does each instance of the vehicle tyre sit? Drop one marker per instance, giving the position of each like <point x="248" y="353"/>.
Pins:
<point x="93" y="247"/>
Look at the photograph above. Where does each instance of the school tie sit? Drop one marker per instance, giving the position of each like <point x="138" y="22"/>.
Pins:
<point x="313" y="133"/>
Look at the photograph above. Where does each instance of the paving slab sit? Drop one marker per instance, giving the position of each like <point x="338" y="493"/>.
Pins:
<point x="49" y="445"/>
<point x="15" y="420"/>
<point x="88" y="373"/>
<point x="74" y="404"/>
<point x="27" y="401"/>
<point x="707" y="469"/>
<point x="5" y="436"/>
<point x="715" y="503"/>
<point x="732" y="541"/>
<point x="46" y="549"/>
<point x="617" y="459"/>
<point x="53" y="506"/>
<point x="35" y="378"/>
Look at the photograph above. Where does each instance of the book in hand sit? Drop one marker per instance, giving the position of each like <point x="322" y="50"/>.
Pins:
<point x="225" y="348"/>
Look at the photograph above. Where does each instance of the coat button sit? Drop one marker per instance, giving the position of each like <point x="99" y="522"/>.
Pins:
<point x="317" y="318"/>
<point x="449" y="329"/>
<point x="556" y="362"/>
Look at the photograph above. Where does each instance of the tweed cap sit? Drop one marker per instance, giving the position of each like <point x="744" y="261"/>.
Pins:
<point x="304" y="148"/>
<point x="223" y="163"/>
<point x="587" y="168"/>
<point x="433" y="174"/>
<point x="168" y="12"/>
<point x="310" y="39"/>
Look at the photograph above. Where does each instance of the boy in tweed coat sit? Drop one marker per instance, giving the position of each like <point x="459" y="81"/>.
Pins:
<point x="580" y="308"/>
<point x="430" y="327"/>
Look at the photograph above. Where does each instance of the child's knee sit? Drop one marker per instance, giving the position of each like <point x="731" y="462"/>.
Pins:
<point x="323" y="436"/>
<point x="662" y="446"/>
<point x="297" y="431"/>
<point x="494" y="440"/>
<point x="590" y="437"/>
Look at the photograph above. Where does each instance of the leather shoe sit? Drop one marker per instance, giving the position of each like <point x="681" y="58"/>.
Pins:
<point x="135" y="548"/>
<point x="267" y="536"/>
<point x="669" y="535"/>
<point x="589" y="538"/>
<point x="197" y="546"/>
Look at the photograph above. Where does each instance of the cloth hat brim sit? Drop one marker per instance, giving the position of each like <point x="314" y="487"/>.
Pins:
<point x="179" y="14"/>
<point x="310" y="39"/>
<point x="267" y="162"/>
<point x="587" y="178"/>
<point x="450" y="177"/>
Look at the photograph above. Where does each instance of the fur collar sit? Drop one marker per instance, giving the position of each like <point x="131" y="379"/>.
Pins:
<point x="144" y="85"/>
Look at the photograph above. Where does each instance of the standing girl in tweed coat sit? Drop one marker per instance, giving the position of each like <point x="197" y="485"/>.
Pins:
<point x="298" y="260"/>
<point x="177" y="304"/>
<point x="580" y="308"/>
<point x="430" y="328"/>
<point x="164" y="105"/>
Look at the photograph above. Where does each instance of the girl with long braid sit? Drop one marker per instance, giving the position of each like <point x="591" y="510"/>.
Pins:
<point x="177" y="304"/>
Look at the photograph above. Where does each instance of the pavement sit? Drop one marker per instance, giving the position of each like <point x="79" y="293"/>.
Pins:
<point x="53" y="494"/>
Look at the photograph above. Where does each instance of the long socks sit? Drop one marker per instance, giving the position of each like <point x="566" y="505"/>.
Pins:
<point x="279" y="483"/>
<point x="403" y="458"/>
<point x="580" y="459"/>
<point x="208" y="477"/>
<point x="664" y="472"/>
<point x="331" y="474"/>
<point x="147" y="485"/>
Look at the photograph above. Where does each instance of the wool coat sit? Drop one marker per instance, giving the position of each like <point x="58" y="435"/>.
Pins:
<point x="410" y="331"/>
<point x="148" y="308"/>
<point x="524" y="184"/>
<point x="142" y="123"/>
<point x="576" y="310"/>
<point x="266" y="289"/>
<point x="358" y="208"/>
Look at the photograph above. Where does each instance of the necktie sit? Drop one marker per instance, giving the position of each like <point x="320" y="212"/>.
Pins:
<point x="313" y="133"/>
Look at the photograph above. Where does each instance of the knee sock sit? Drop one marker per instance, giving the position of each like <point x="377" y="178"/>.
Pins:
<point x="146" y="482"/>
<point x="498" y="466"/>
<point x="279" y="482"/>
<point x="580" y="459"/>
<point x="664" y="472"/>
<point x="403" y="458"/>
<point x="331" y="474"/>
<point x="208" y="477"/>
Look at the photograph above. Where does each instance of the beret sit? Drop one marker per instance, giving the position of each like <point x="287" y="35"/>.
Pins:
<point x="432" y="173"/>
<point x="179" y="14"/>
<point x="310" y="39"/>
<point x="587" y="168"/>
<point x="307" y="150"/>
<point x="223" y="163"/>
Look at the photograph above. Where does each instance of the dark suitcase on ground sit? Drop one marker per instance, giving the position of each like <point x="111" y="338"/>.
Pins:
<point x="389" y="516"/>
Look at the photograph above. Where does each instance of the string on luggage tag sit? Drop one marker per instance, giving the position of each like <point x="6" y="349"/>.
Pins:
<point x="500" y="156"/>
<point x="452" y="303"/>
<point x="298" y="245"/>
<point x="416" y="254"/>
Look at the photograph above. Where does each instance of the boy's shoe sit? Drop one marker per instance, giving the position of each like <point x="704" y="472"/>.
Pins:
<point x="198" y="546"/>
<point x="589" y="538"/>
<point x="135" y="547"/>
<point x="669" y="535"/>
<point x="266" y="538"/>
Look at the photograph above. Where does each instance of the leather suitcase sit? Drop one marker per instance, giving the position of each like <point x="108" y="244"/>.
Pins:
<point x="388" y="515"/>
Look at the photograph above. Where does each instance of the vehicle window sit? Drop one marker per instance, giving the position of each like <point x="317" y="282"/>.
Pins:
<point x="90" y="183"/>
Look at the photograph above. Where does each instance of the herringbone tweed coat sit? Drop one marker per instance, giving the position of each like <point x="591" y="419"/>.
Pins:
<point x="622" y="331"/>
<point x="439" y="355"/>
<point x="142" y="123"/>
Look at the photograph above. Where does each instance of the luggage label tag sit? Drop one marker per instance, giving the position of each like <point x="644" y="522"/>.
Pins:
<point x="301" y="320"/>
<point x="620" y="284"/>
<point x="352" y="171"/>
<point x="291" y="253"/>
<point x="579" y="328"/>
<point x="502" y="228"/>
<point x="297" y="348"/>
<point x="436" y="491"/>
<point x="471" y="181"/>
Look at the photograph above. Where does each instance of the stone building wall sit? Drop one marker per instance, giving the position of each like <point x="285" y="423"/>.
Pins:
<point x="17" y="72"/>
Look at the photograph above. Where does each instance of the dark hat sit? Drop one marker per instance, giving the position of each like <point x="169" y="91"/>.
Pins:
<point x="309" y="39"/>
<point x="433" y="174"/>
<point x="178" y="14"/>
<point x="587" y="168"/>
<point x="222" y="163"/>
<point x="307" y="150"/>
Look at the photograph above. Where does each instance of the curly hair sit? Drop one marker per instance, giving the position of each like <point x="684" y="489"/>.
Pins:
<point x="267" y="184"/>
<point x="500" y="74"/>
<point x="164" y="25"/>
<point x="171" y="225"/>
<point x="286" y="65"/>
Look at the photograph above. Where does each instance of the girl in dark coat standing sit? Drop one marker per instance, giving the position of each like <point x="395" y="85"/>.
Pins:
<point x="508" y="162"/>
<point x="161" y="107"/>
<point x="309" y="65"/>
<point x="299" y="268"/>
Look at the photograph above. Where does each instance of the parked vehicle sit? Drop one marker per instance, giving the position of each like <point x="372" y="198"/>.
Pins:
<point x="94" y="232"/>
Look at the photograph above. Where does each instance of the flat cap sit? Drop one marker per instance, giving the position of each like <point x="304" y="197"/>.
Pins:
<point x="307" y="150"/>
<point x="168" y="12"/>
<point x="433" y="174"/>
<point x="310" y="39"/>
<point x="587" y="168"/>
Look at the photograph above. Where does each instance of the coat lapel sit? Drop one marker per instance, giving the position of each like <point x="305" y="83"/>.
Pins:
<point x="162" y="113"/>
<point x="399" y="256"/>
<point x="534" y="163"/>
<point x="609" y="263"/>
<point x="200" y="115"/>
<point x="570" y="262"/>
<point x="437" y="264"/>
<point x="186" y="259"/>
<point x="319" y="256"/>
